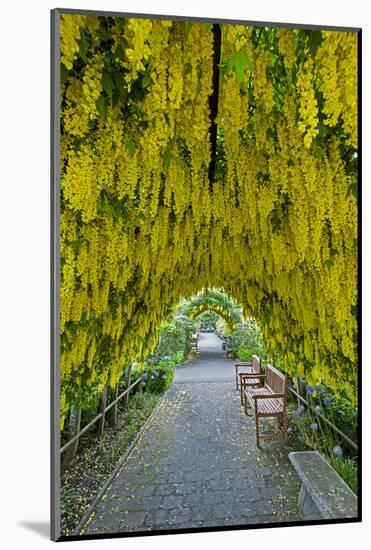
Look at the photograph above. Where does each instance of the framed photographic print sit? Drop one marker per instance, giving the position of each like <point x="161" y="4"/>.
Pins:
<point x="205" y="284"/>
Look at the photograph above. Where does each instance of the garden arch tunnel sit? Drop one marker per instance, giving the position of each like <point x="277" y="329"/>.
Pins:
<point x="175" y="177"/>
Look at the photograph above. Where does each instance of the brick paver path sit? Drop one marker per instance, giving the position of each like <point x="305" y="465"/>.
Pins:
<point x="196" y="464"/>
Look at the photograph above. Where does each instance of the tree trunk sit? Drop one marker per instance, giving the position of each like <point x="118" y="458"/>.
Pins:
<point x="74" y="423"/>
<point x="112" y="413"/>
<point x="103" y="403"/>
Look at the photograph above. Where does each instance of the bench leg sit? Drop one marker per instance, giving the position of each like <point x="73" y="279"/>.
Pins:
<point x="242" y="388"/>
<point x="307" y="508"/>
<point x="236" y="378"/>
<point x="284" y="421"/>
<point x="245" y="404"/>
<point x="257" y="430"/>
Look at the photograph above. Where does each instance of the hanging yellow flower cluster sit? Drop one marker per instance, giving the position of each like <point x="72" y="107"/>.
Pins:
<point x="70" y="34"/>
<point x="337" y="71"/>
<point x="301" y="222"/>
<point x="308" y="105"/>
<point x="141" y="226"/>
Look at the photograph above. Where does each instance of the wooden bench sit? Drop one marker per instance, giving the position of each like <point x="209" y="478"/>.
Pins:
<point x="269" y="400"/>
<point x="323" y="494"/>
<point x="194" y="345"/>
<point x="229" y="353"/>
<point x="249" y="367"/>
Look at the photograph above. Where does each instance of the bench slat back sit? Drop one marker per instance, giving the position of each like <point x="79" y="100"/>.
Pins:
<point x="256" y="364"/>
<point x="276" y="380"/>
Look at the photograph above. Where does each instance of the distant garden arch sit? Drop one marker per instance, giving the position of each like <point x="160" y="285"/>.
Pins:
<point x="216" y="301"/>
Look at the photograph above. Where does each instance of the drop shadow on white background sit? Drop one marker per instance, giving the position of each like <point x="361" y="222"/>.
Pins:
<point x="41" y="528"/>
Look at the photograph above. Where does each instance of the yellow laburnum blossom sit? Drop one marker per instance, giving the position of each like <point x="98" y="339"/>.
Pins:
<point x="308" y="109"/>
<point x="137" y="33"/>
<point x="337" y="61"/>
<point x="81" y="97"/>
<point x="70" y="33"/>
<point x="287" y="46"/>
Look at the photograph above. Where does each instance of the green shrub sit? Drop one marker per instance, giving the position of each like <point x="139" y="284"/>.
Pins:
<point x="178" y="357"/>
<point x="207" y="320"/>
<point x="345" y="417"/>
<point x="244" y="354"/>
<point x="248" y="337"/>
<point x="173" y="340"/>
<point x="90" y="407"/>
<point x="135" y="373"/>
<point x="159" y="376"/>
<point x="185" y="323"/>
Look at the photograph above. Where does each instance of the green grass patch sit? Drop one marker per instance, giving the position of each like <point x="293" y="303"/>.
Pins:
<point x="347" y="469"/>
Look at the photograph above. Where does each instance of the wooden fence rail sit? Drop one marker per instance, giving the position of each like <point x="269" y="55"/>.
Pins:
<point x="100" y="416"/>
<point x="335" y="428"/>
<point x="342" y="435"/>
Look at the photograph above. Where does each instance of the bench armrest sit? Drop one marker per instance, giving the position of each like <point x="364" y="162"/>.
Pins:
<point x="244" y="374"/>
<point x="252" y="375"/>
<point x="271" y="396"/>
<point x="247" y="364"/>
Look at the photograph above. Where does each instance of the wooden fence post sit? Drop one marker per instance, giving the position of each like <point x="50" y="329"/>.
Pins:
<point x="74" y="423"/>
<point x="298" y="388"/>
<point x="112" y="413"/>
<point x="127" y="380"/>
<point x="103" y="402"/>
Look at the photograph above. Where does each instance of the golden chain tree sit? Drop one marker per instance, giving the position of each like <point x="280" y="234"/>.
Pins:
<point x="142" y="225"/>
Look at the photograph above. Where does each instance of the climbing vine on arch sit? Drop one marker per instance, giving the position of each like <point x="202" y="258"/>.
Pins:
<point x="141" y="226"/>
